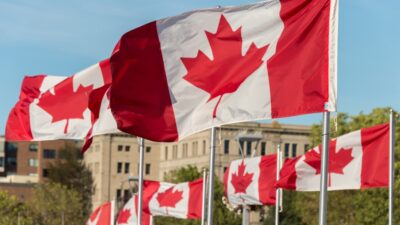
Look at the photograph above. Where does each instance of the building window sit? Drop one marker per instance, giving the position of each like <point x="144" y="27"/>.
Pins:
<point x="194" y="147"/>
<point x="119" y="167"/>
<point x="263" y="148"/>
<point x="45" y="173"/>
<point x="248" y="148"/>
<point x="226" y="147"/>
<point x="148" y="149"/>
<point x="306" y="148"/>
<point x="49" y="154"/>
<point x="147" y="169"/>
<point x="241" y="147"/>
<point x="119" y="193"/>
<point x="127" y="148"/>
<point x="204" y="147"/>
<point x="33" y="147"/>
<point x="185" y="150"/>
<point x="294" y="150"/>
<point x="1" y="161"/>
<point x="127" y="195"/>
<point x="127" y="165"/>
<point x="174" y="151"/>
<point x="166" y="153"/>
<point x="120" y="148"/>
<point x="33" y="162"/>
<point x="287" y="146"/>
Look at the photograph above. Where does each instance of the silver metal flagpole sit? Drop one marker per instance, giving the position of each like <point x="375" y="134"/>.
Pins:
<point x="211" y="177"/>
<point x="278" y="190"/>
<point x="204" y="200"/>
<point x="245" y="215"/>
<point x="391" y="164"/>
<point x="140" y="181"/>
<point x="323" y="197"/>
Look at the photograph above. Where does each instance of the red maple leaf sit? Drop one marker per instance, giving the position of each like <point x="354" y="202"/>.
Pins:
<point x="73" y="103"/>
<point x="124" y="216"/>
<point x="241" y="180"/>
<point x="229" y="68"/>
<point x="169" y="198"/>
<point x="336" y="163"/>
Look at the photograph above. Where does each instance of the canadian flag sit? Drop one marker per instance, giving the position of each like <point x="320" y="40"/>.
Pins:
<point x="357" y="160"/>
<point x="183" y="200"/>
<point x="250" y="181"/>
<point x="128" y="214"/>
<point x="103" y="121"/>
<point x="103" y="215"/>
<point x="52" y="107"/>
<point x="176" y="76"/>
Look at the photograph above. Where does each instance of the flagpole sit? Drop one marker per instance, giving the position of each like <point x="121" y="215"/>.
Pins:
<point x="245" y="215"/>
<point x="391" y="164"/>
<point x="211" y="177"/>
<point x="113" y="207"/>
<point x="323" y="197"/>
<point x="204" y="199"/>
<point x="278" y="190"/>
<point x="140" y="181"/>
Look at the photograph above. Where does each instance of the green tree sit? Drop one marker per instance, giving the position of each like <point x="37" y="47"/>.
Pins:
<point x="70" y="171"/>
<point x="348" y="207"/>
<point x="289" y="214"/>
<point x="11" y="210"/>
<point x="222" y="216"/>
<point x="52" y="201"/>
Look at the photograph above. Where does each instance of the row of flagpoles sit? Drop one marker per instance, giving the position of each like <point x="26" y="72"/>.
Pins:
<point x="208" y="184"/>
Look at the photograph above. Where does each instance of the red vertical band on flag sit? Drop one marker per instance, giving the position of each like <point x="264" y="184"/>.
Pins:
<point x="375" y="160"/>
<point x="267" y="179"/>
<point x="288" y="175"/>
<point x="195" y="199"/>
<point x="149" y="188"/>
<point x="18" y="124"/>
<point x="304" y="40"/>
<point x="140" y="97"/>
<point x="146" y="218"/>
<point x="106" y="71"/>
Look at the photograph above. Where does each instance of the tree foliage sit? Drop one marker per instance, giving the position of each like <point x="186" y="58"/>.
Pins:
<point x="222" y="216"/>
<point x="11" y="210"/>
<point x="70" y="171"/>
<point x="52" y="201"/>
<point x="349" y="207"/>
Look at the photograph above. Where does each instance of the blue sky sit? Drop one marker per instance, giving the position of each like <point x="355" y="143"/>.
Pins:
<point x="64" y="37"/>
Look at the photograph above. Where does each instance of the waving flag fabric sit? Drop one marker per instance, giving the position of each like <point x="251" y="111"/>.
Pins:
<point x="52" y="107"/>
<point x="357" y="160"/>
<point x="251" y="181"/>
<point x="103" y="215"/>
<point x="176" y="76"/>
<point x="128" y="214"/>
<point x="183" y="200"/>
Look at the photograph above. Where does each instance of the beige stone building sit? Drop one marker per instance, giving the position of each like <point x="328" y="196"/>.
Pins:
<point x="113" y="158"/>
<point x="194" y="150"/>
